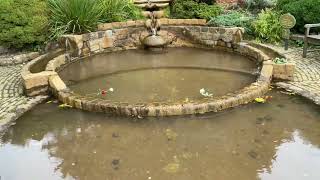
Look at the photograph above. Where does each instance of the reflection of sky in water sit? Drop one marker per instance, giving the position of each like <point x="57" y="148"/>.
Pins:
<point x="294" y="160"/>
<point x="36" y="163"/>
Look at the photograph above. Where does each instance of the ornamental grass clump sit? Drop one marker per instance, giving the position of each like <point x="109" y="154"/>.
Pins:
<point x="73" y="16"/>
<point x="119" y="10"/>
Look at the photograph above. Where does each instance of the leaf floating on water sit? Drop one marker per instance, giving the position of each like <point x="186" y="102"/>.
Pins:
<point x="187" y="155"/>
<point x="63" y="106"/>
<point x="186" y="100"/>
<point x="260" y="100"/>
<point x="49" y="102"/>
<point x="172" y="168"/>
<point x="171" y="135"/>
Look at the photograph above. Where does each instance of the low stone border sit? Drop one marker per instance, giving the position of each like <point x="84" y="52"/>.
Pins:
<point x="7" y="60"/>
<point x="243" y="96"/>
<point x="10" y="119"/>
<point x="34" y="75"/>
<point x="282" y="72"/>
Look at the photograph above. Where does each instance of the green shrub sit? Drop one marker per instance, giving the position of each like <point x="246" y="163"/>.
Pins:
<point x="267" y="27"/>
<point x="305" y="11"/>
<point x="119" y="10"/>
<point x="258" y="5"/>
<point x="205" y="11"/>
<point x="73" y="16"/>
<point x="184" y="9"/>
<point x="22" y="23"/>
<point x="188" y="9"/>
<point x="210" y="2"/>
<point x="234" y="19"/>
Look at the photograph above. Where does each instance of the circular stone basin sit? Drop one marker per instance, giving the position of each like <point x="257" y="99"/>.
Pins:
<point x="143" y="77"/>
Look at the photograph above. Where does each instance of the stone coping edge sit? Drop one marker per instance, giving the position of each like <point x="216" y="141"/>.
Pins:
<point x="18" y="59"/>
<point x="36" y="83"/>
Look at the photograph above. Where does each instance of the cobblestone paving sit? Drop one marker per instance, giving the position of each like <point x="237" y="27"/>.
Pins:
<point x="307" y="76"/>
<point x="12" y="101"/>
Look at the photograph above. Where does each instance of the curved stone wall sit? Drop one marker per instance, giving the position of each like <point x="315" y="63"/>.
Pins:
<point x="191" y="35"/>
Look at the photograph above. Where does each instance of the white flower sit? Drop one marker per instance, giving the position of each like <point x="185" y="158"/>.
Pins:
<point x="202" y="91"/>
<point x="111" y="89"/>
<point x="205" y="93"/>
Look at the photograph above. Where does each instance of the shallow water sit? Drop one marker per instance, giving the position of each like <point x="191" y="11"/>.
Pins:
<point x="140" y="76"/>
<point x="273" y="141"/>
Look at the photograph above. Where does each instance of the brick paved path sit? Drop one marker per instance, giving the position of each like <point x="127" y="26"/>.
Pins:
<point x="12" y="101"/>
<point x="307" y="76"/>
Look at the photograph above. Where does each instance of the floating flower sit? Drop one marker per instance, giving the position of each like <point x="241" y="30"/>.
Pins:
<point x="205" y="93"/>
<point x="111" y="89"/>
<point x="103" y="92"/>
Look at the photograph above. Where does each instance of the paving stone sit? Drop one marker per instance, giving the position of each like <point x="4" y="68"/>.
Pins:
<point x="12" y="101"/>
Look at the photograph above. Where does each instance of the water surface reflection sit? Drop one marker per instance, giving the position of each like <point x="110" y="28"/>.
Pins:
<point x="277" y="140"/>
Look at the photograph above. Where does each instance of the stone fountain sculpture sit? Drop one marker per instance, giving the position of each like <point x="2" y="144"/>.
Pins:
<point x="153" y="11"/>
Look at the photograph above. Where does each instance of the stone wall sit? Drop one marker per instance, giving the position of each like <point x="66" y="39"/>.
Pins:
<point x="128" y="35"/>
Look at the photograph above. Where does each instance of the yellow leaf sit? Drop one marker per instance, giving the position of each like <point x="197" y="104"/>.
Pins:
<point x="260" y="100"/>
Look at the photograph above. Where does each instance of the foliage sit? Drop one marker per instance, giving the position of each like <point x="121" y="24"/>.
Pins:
<point x="205" y="11"/>
<point x="210" y="2"/>
<point x="81" y="16"/>
<point x="22" y="23"/>
<point x="234" y="19"/>
<point x="280" y="60"/>
<point x="305" y="11"/>
<point x="188" y="9"/>
<point x="119" y="10"/>
<point x="267" y="27"/>
<point x="258" y="5"/>
<point x="185" y="9"/>
<point x="73" y="16"/>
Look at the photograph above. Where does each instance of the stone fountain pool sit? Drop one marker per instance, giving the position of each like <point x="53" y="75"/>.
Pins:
<point x="186" y="113"/>
<point x="139" y="76"/>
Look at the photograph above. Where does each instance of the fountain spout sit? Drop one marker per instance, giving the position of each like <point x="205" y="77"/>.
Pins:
<point x="153" y="11"/>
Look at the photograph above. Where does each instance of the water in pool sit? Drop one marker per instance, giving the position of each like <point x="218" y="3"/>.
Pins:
<point x="140" y="76"/>
<point x="273" y="141"/>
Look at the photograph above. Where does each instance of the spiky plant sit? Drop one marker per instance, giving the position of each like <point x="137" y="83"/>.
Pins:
<point x="73" y="16"/>
<point x="119" y="10"/>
